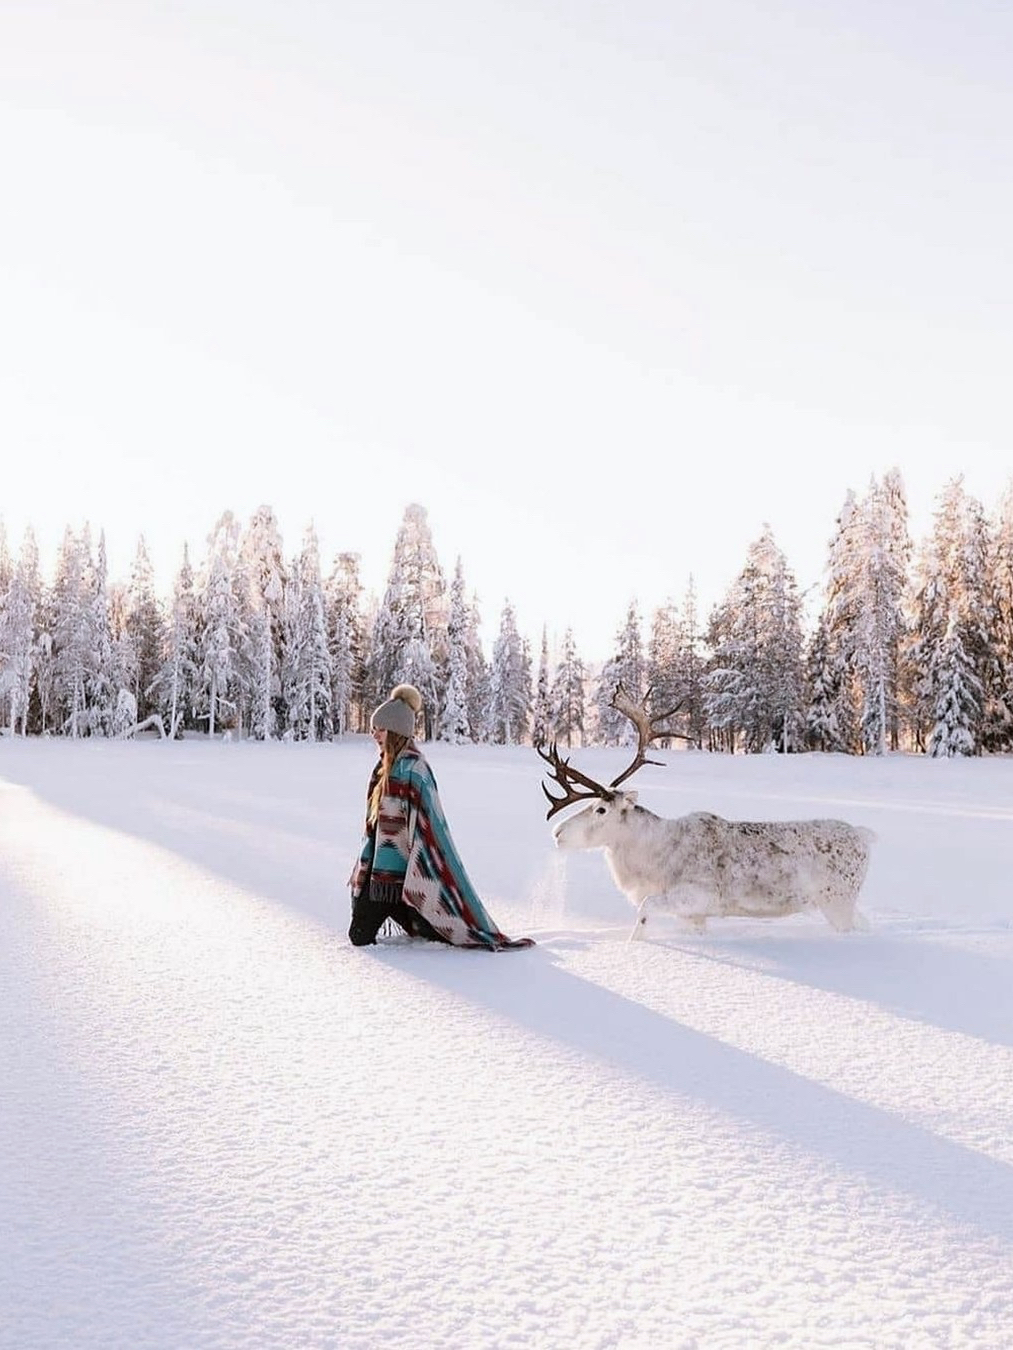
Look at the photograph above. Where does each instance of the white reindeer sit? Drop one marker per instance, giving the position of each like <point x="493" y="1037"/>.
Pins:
<point x="701" y="866"/>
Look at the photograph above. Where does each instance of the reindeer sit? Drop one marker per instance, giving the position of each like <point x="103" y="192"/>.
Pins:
<point x="701" y="866"/>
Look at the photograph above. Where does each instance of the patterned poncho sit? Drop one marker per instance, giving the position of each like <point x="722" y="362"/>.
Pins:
<point x="411" y="846"/>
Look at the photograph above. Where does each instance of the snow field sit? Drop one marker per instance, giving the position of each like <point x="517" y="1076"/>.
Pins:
<point x="222" y="1126"/>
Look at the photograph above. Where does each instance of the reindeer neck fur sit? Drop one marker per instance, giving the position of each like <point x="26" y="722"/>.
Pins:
<point x="640" y="843"/>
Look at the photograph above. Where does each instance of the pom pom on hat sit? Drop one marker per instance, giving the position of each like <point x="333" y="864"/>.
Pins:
<point x="399" y="712"/>
<point x="408" y="694"/>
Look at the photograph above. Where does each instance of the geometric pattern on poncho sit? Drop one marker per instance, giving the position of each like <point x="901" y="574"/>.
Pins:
<point x="412" y="844"/>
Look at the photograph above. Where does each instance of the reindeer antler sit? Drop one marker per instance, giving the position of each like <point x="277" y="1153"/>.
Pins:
<point x="565" y="776"/>
<point x="647" y="729"/>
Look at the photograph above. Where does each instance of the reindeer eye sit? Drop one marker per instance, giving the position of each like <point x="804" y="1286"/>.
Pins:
<point x="599" y="810"/>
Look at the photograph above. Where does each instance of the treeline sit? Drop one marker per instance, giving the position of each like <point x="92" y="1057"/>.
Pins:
<point x="911" y="648"/>
<point x="250" y="642"/>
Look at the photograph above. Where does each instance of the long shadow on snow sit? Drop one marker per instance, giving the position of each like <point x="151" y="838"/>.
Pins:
<point x="529" y="989"/>
<point x="273" y="848"/>
<point x="919" y="978"/>
<point x="296" y="850"/>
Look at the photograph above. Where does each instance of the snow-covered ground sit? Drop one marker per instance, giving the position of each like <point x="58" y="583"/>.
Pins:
<point x="222" y="1126"/>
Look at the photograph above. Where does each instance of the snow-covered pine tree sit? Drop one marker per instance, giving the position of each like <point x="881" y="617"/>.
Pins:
<point x="826" y="673"/>
<point x="144" y="625"/>
<point x="419" y="668"/>
<point x="222" y="634"/>
<point x="664" y="678"/>
<point x="176" y="684"/>
<point x="690" y="668"/>
<point x="124" y="663"/>
<point x="831" y="666"/>
<point x="627" y="666"/>
<point x="958" y="696"/>
<point x="893" y="589"/>
<point x="391" y="633"/>
<point x="675" y="669"/>
<point x="975" y="591"/>
<point x="103" y="689"/>
<point x="6" y="575"/>
<point x="43" y="703"/>
<point x="997" y="720"/>
<point x="309" y="695"/>
<point x="732" y="694"/>
<point x="510" y="681"/>
<point x="609" y="729"/>
<point x="854" y="661"/>
<point x="951" y="589"/>
<point x="878" y="625"/>
<point x="409" y="633"/>
<point x="346" y="634"/>
<point x="24" y="599"/>
<point x="929" y="617"/>
<point x="454" y="725"/>
<point x="479" y="678"/>
<point x="264" y="684"/>
<point x="263" y="599"/>
<point x="754" y="689"/>
<point x="568" y="694"/>
<point x="542" y="712"/>
<point x="783" y="655"/>
<point x="339" y="645"/>
<point x="70" y="637"/>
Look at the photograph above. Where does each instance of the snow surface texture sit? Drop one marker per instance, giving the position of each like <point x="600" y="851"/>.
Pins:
<point x="222" y="1126"/>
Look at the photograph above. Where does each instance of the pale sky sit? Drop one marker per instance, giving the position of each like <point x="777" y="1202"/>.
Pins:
<point x="604" y="287"/>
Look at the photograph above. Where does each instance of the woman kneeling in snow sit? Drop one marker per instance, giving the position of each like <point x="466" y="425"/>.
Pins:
<point x="408" y="868"/>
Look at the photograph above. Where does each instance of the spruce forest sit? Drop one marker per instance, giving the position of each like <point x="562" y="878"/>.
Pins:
<point x="911" y="646"/>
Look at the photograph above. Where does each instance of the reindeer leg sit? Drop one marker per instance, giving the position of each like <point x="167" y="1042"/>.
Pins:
<point x="843" y="915"/>
<point x="839" y="913"/>
<point x="688" y="908"/>
<point x="638" y="927"/>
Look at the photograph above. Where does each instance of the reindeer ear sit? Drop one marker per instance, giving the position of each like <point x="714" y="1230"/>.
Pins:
<point x="631" y="798"/>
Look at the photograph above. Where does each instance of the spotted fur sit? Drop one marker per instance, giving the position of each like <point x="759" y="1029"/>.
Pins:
<point x="702" y="866"/>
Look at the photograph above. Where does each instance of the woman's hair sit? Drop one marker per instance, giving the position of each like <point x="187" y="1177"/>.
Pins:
<point x="393" y="744"/>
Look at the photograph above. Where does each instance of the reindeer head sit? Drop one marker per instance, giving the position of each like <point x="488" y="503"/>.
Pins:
<point x="596" y="826"/>
<point x="593" y="827"/>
